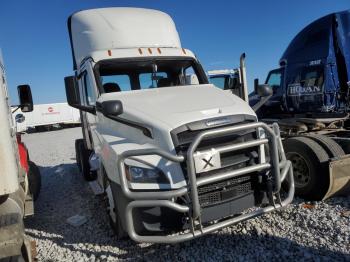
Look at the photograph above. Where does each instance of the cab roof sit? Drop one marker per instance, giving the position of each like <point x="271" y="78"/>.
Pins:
<point x="119" y="28"/>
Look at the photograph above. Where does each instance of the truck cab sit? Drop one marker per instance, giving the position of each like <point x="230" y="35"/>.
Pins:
<point x="173" y="153"/>
<point x="314" y="70"/>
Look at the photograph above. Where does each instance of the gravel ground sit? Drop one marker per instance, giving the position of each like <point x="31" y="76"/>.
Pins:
<point x="316" y="232"/>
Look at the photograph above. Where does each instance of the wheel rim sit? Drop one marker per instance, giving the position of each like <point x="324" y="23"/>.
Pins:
<point x="301" y="169"/>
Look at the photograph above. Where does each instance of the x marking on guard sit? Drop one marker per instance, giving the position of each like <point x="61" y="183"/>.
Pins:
<point x="207" y="162"/>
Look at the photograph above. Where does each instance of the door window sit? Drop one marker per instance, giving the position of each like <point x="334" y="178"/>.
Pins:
<point x="90" y="95"/>
<point x="219" y="81"/>
<point x="274" y="79"/>
<point x="306" y="81"/>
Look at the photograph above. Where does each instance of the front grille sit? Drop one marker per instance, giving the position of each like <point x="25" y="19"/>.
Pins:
<point x="187" y="137"/>
<point x="220" y="185"/>
<point x="223" y="191"/>
<point x="235" y="159"/>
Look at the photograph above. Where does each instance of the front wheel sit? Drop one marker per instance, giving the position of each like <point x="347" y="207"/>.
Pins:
<point x="310" y="167"/>
<point x="82" y="156"/>
<point x="114" y="216"/>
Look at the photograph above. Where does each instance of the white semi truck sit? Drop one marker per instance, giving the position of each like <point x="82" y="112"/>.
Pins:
<point x="176" y="160"/>
<point x="15" y="196"/>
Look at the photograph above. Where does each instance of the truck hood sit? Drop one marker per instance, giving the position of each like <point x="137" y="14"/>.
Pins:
<point x="175" y="106"/>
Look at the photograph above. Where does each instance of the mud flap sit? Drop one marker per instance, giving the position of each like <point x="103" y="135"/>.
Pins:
<point x="339" y="177"/>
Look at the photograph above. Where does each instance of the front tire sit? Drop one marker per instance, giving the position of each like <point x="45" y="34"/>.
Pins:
<point x="83" y="155"/>
<point x="114" y="216"/>
<point x="310" y="167"/>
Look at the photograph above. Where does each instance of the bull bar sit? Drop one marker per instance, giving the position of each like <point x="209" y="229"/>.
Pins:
<point x="279" y="167"/>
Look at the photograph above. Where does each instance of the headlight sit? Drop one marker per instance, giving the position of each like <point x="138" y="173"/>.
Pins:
<point x="145" y="175"/>
<point x="261" y="133"/>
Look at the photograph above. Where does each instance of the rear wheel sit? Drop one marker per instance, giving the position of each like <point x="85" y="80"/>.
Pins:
<point x="34" y="180"/>
<point x="310" y="167"/>
<point x="83" y="155"/>
<point x="332" y="148"/>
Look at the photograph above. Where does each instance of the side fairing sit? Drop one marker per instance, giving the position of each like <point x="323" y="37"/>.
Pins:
<point x="343" y="36"/>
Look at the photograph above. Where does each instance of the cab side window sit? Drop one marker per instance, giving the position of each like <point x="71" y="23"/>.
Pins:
<point x="312" y="76"/>
<point x="274" y="79"/>
<point x="219" y="81"/>
<point x="90" y="95"/>
<point x="308" y="76"/>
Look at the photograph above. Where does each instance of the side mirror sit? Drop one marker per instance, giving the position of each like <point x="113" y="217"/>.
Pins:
<point x="25" y="98"/>
<point x="233" y="82"/>
<point x="72" y="91"/>
<point x="264" y="90"/>
<point x="111" y="108"/>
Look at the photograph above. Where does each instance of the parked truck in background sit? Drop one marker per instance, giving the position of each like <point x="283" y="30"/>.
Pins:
<point x="16" y="171"/>
<point x="309" y="98"/>
<point x="47" y="116"/>
<point x="176" y="160"/>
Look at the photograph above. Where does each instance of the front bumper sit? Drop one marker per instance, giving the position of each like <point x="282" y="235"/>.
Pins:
<point x="277" y="169"/>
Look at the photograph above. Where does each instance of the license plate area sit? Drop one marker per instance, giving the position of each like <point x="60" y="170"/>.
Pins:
<point x="207" y="161"/>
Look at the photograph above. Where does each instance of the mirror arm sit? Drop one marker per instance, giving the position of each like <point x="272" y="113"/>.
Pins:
<point x="262" y="102"/>
<point x="89" y="109"/>
<point x="17" y="107"/>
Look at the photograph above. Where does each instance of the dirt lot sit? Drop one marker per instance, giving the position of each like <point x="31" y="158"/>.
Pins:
<point x="316" y="232"/>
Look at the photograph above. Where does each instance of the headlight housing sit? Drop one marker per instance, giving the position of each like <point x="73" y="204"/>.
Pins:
<point x="137" y="174"/>
<point x="261" y="133"/>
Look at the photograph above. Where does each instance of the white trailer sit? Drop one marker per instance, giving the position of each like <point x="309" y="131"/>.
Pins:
<point x="47" y="115"/>
<point x="173" y="153"/>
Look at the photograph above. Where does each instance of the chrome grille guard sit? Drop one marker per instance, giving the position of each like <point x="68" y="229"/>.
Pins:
<point x="278" y="167"/>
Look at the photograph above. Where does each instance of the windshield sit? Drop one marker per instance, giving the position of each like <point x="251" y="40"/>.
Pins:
<point x="125" y="75"/>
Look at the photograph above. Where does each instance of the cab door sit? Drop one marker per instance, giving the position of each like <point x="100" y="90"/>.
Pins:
<point x="89" y="93"/>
